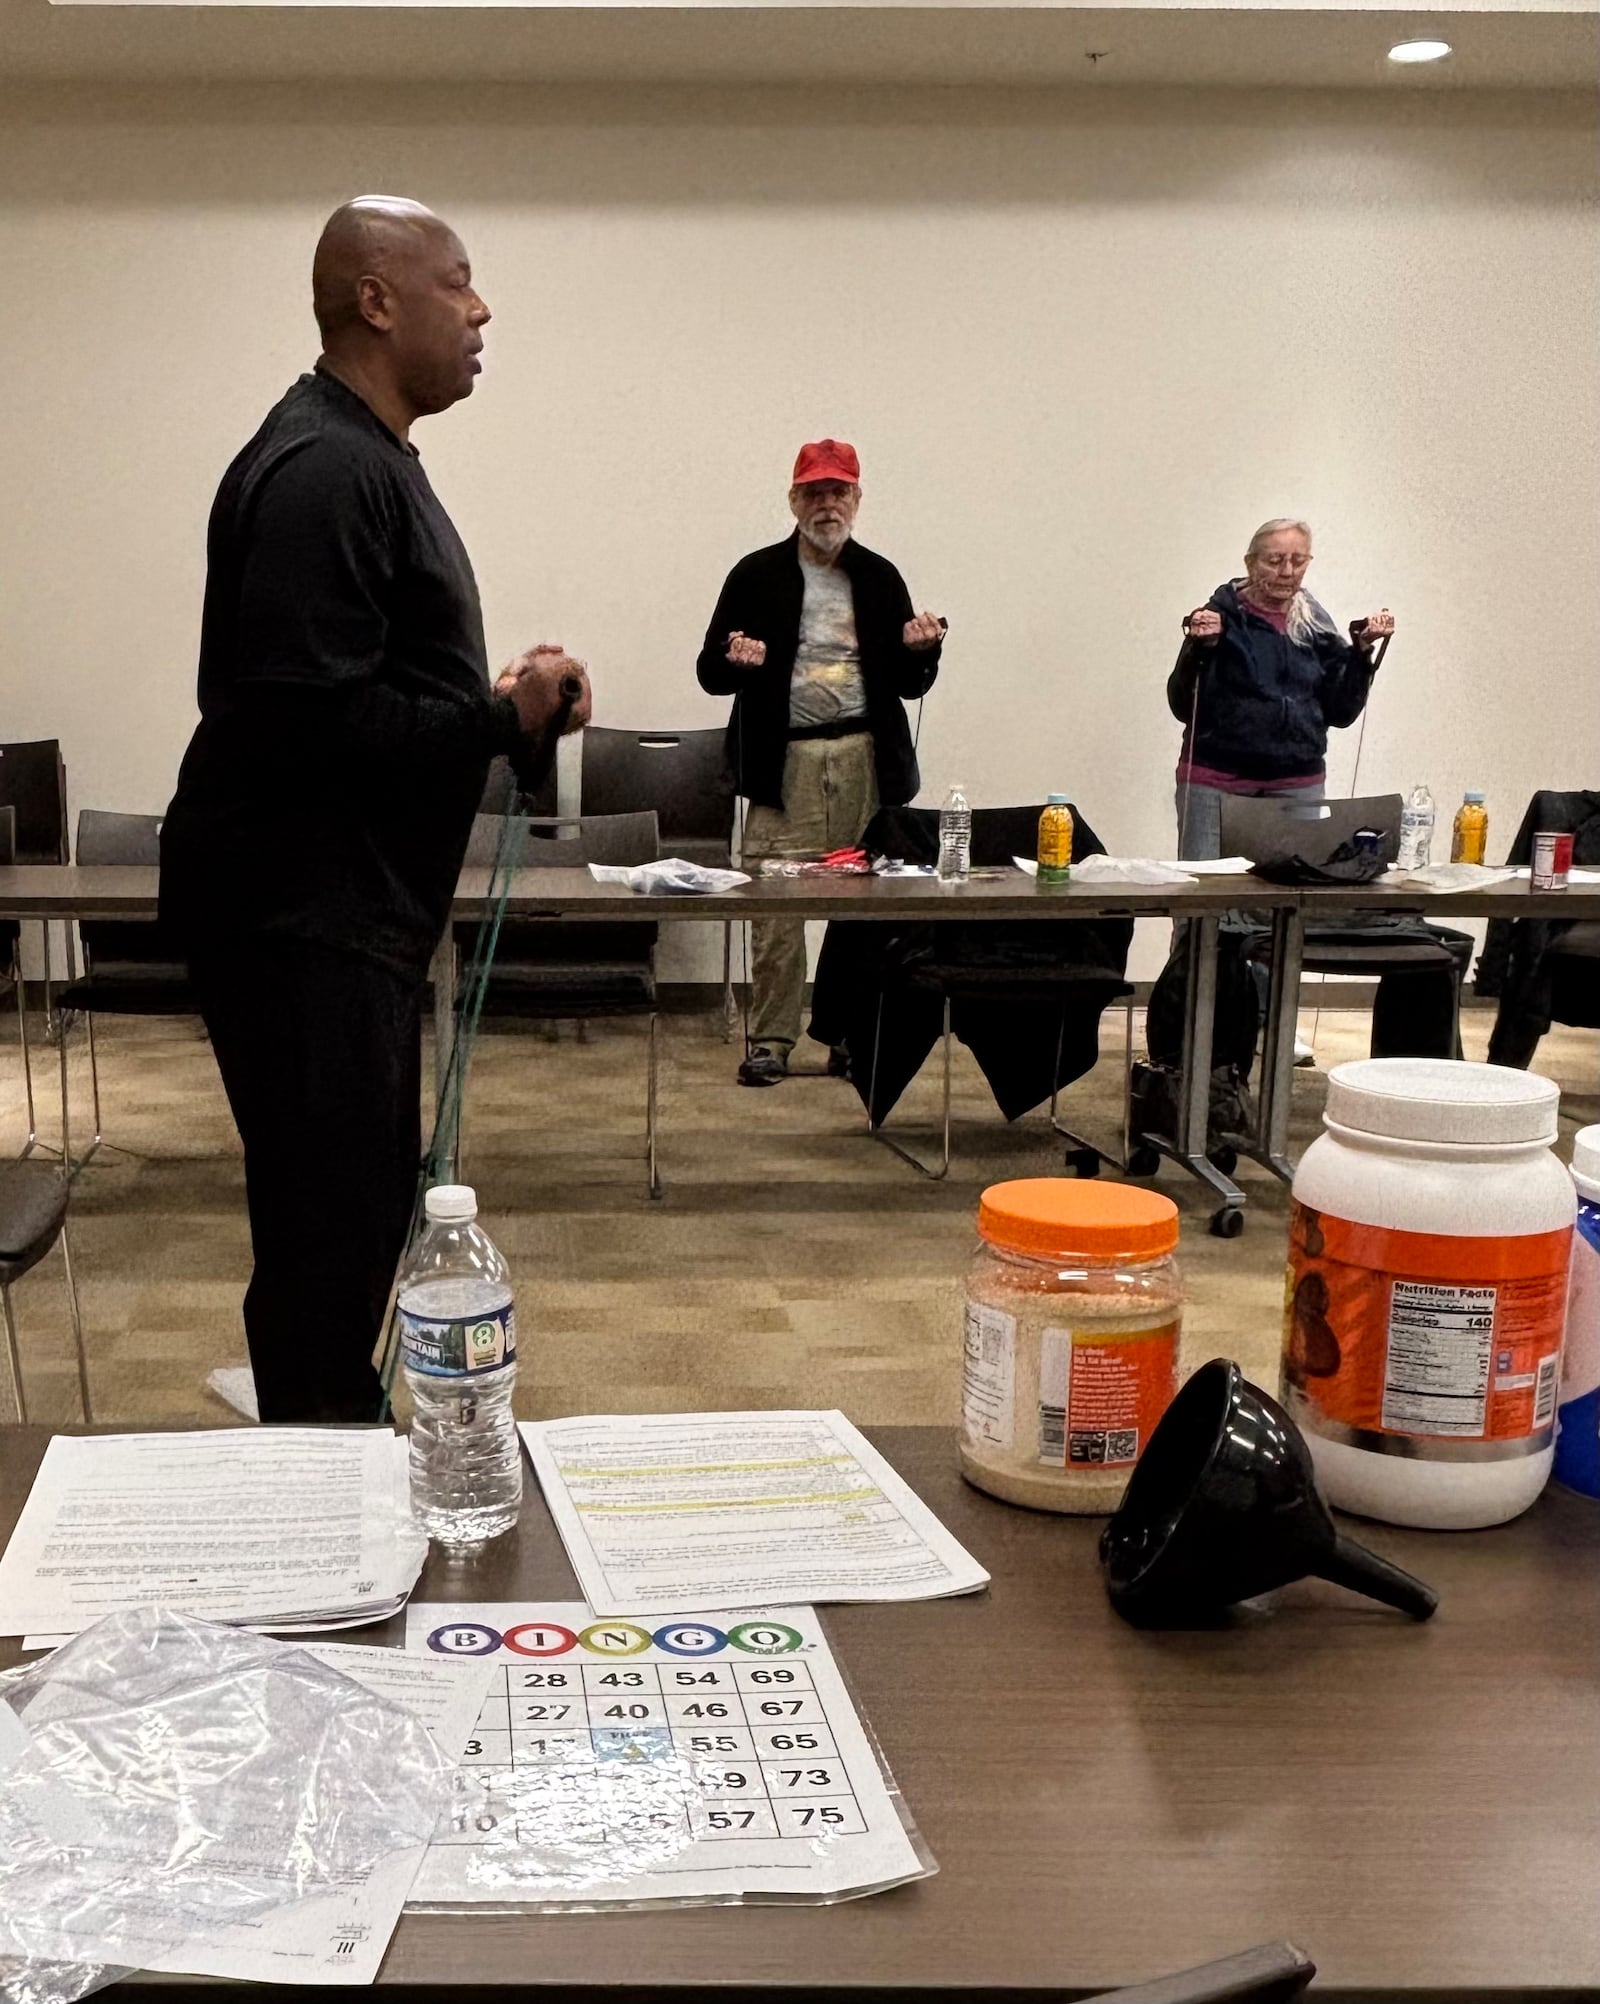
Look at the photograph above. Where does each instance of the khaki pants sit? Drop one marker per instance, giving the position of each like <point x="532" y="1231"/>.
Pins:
<point x="830" y="793"/>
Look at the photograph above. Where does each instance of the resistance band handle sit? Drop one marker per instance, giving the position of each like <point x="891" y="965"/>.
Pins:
<point x="569" y="690"/>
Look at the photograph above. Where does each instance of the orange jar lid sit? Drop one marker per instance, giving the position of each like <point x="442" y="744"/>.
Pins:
<point x="1054" y="1217"/>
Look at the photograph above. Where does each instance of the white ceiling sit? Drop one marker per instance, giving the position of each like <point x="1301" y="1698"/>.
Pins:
<point x="1556" y="46"/>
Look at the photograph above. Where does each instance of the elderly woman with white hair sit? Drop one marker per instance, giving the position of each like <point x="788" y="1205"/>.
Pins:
<point x="1263" y="675"/>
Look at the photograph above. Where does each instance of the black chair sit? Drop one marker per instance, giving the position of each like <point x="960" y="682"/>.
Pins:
<point x="684" y="776"/>
<point x="1026" y="998"/>
<point x="130" y="966"/>
<point x="11" y="975"/>
<point x="33" y="1216"/>
<point x="1543" y="971"/>
<point x="548" y="970"/>
<point x="1419" y="968"/>
<point x="33" y="784"/>
<point x="1271" y="1975"/>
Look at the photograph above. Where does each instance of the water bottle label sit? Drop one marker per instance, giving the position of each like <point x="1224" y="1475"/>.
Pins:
<point x="459" y="1346"/>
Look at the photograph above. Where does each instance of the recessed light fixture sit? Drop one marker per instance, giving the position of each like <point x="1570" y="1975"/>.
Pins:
<point x="1419" y="52"/>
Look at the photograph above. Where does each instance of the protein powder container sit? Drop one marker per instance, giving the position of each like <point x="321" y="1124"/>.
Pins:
<point x="1429" y="1243"/>
<point x="1070" y="1345"/>
<point x="1578" y="1416"/>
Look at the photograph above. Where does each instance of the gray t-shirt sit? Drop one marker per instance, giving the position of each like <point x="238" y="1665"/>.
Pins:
<point x="826" y="685"/>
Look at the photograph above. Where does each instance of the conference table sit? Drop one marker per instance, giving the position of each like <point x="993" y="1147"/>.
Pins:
<point x="1416" y="1805"/>
<point x="71" y="892"/>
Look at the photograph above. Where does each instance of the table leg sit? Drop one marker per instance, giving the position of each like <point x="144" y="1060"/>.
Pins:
<point x="1277" y="1058"/>
<point x="1188" y="1146"/>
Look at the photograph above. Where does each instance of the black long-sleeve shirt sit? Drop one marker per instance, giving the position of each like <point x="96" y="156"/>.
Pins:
<point x="346" y="723"/>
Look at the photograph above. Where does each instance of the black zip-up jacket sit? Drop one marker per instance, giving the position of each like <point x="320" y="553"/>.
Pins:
<point x="1266" y="704"/>
<point x="762" y="598"/>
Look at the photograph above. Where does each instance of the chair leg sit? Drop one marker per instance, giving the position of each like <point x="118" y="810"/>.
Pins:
<point x="52" y="1028"/>
<point x="11" y="1353"/>
<point x="652" y="1078"/>
<point x="27" y="1055"/>
<point x="876" y="1128"/>
<point x="1079" y="1141"/>
<point x="68" y="1167"/>
<point x="77" y="1331"/>
<point x="94" y="1087"/>
<point x="729" y="1013"/>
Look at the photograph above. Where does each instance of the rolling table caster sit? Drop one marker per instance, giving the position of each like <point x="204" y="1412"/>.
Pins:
<point x="1227" y="1223"/>
<point x="1083" y="1162"/>
<point x="1145" y="1160"/>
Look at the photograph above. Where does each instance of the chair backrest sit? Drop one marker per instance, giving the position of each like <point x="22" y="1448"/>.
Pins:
<point x="125" y="946"/>
<point x="118" y="838"/>
<point x="1279" y="825"/>
<point x="683" y="775"/>
<point x="569" y="841"/>
<point x="33" y="780"/>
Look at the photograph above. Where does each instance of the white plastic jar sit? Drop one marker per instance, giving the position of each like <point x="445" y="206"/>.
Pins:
<point x="1428" y="1254"/>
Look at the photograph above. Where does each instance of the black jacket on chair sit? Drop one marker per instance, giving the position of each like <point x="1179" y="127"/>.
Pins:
<point x="762" y="597"/>
<point x="1020" y="992"/>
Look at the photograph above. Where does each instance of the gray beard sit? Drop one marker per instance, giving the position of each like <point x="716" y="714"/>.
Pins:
<point x="826" y="542"/>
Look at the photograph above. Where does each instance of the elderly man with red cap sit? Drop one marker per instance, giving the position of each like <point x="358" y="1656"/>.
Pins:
<point x="816" y="641"/>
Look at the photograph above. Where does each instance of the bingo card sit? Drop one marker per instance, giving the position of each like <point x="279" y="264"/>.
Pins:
<point x="676" y="1759"/>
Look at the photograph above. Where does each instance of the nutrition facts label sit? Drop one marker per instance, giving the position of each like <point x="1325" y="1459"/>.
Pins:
<point x="1441" y="1346"/>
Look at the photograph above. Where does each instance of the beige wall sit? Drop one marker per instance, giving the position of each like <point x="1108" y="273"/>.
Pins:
<point x="1084" y="344"/>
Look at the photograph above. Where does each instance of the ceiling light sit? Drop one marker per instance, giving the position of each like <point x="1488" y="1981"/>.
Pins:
<point x="1419" y="52"/>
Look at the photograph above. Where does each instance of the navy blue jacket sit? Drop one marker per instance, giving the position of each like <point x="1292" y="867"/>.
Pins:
<point x="1266" y="705"/>
<point x="763" y="596"/>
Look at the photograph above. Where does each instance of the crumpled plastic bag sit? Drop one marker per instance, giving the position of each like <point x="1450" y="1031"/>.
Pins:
<point x="163" y="1777"/>
<point x="1451" y="876"/>
<point x="1116" y="870"/>
<point x="672" y="876"/>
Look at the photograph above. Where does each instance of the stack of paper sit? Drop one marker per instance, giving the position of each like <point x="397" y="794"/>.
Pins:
<point x="271" y="1528"/>
<point x="663" y="1511"/>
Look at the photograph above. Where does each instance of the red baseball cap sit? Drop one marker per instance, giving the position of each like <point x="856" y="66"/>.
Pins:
<point x="827" y="459"/>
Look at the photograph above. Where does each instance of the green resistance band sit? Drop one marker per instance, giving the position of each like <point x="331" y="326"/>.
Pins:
<point x="444" y="1142"/>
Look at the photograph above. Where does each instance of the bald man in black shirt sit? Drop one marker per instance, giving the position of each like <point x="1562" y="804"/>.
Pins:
<point x="324" y="803"/>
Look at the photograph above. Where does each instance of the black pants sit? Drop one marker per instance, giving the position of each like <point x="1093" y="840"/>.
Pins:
<point x="321" y="1055"/>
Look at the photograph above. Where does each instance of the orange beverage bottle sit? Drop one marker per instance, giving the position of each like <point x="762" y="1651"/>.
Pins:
<point x="1055" y="841"/>
<point x="1469" y="837"/>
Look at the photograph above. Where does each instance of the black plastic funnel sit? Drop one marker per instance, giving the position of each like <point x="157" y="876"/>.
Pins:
<point x="1223" y="1506"/>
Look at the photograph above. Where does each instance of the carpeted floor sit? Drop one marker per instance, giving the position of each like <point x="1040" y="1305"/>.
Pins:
<point x="793" y="1261"/>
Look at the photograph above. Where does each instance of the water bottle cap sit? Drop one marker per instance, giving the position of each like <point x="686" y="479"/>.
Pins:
<point x="1473" y="799"/>
<point x="451" y="1203"/>
<point x="1055" y="800"/>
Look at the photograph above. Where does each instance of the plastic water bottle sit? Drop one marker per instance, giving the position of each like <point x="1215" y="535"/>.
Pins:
<point x="458" y="1336"/>
<point x="955" y="838"/>
<point x="1416" y="830"/>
